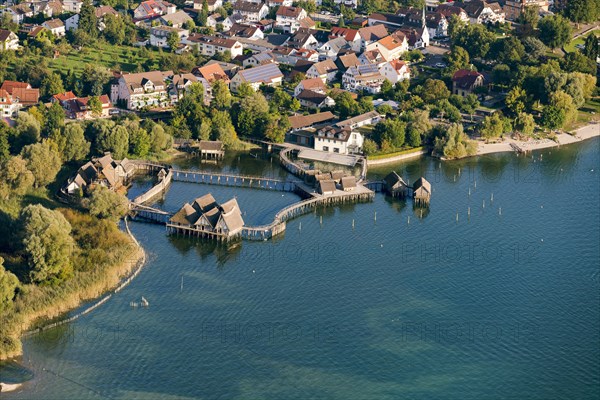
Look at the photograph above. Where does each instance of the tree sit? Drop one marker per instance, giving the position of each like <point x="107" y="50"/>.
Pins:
<point x="433" y="90"/>
<point x="115" y="140"/>
<point x="555" y="31"/>
<point x="582" y="10"/>
<point x="15" y="178"/>
<point x="345" y="105"/>
<point x="47" y="244"/>
<point x="577" y="61"/>
<point x="4" y="145"/>
<point x="8" y="287"/>
<point x="51" y="85"/>
<point x="245" y="90"/>
<point x="72" y="144"/>
<point x="173" y="41"/>
<point x="369" y="147"/>
<point x="491" y="127"/>
<point x="516" y="99"/>
<point x="525" y="124"/>
<point x="564" y="102"/>
<point x="221" y="95"/>
<point x="534" y="48"/>
<point x="275" y="127"/>
<point x="392" y="131"/>
<point x="474" y="38"/>
<point x="455" y="143"/>
<point x="43" y="160"/>
<point x="88" y="22"/>
<point x="93" y="79"/>
<point x="159" y="139"/>
<point x="253" y="109"/>
<point x="458" y="59"/>
<point x="27" y="131"/>
<point x="529" y="18"/>
<point x="106" y="204"/>
<point x="55" y="118"/>
<point x="95" y="106"/>
<point x="114" y="29"/>
<point x="590" y="49"/>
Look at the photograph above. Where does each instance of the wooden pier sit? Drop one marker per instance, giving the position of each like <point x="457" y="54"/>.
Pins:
<point x="253" y="182"/>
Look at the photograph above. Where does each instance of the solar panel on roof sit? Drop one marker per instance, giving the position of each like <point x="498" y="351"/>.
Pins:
<point x="262" y="73"/>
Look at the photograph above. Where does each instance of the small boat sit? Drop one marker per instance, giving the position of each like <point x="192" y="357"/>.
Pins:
<point x="145" y="302"/>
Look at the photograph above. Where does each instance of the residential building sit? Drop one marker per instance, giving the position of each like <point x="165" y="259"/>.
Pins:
<point x="314" y="100"/>
<point x="72" y="6"/>
<point x="152" y="9"/>
<point x="268" y="74"/>
<point x="73" y="21"/>
<point x="352" y="36"/>
<point x="346" y="61"/>
<point x="369" y="118"/>
<point x="437" y="24"/>
<point x="448" y="10"/>
<point x="391" y="47"/>
<point x="207" y="75"/>
<point x="251" y="11"/>
<point x="303" y="39"/>
<point x="363" y="78"/>
<point x="215" y="19"/>
<point x="245" y="31"/>
<point x="177" y="19"/>
<point x="288" y="18"/>
<point x="332" y="48"/>
<point x="514" y="8"/>
<point x="335" y="139"/>
<point x="347" y="3"/>
<point x="19" y="12"/>
<point x="55" y="26"/>
<point x="279" y="3"/>
<point x="8" y="40"/>
<point x="212" y="4"/>
<point x="211" y="45"/>
<point x="8" y="107"/>
<point x="395" y="71"/>
<point x="371" y="34"/>
<point x="372" y="57"/>
<point x="482" y="12"/>
<point x="159" y="35"/>
<point x="78" y="108"/>
<point x="464" y="82"/>
<point x="326" y="70"/>
<point x="180" y="84"/>
<point x="103" y="171"/>
<point x="259" y="59"/>
<point x="22" y="93"/>
<point x="141" y="90"/>
<point x="314" y="84"/>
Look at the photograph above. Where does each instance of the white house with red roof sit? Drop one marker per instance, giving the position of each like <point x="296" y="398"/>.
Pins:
<point x="152" y="9"/>
<point x="288" y="19"/>
<point x="352" y="36"/>
<point x="395" y="71"/>
<point x="464" y="82"/>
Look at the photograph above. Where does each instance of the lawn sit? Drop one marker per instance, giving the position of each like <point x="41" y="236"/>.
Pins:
<point x="100" y="54"/>
<point x="379" y="155"/>
<point x="580" y="40"/>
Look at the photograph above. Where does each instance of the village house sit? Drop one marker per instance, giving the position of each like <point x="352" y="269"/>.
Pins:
<point x="514" y="8"/>
<point x="211" y="45"/>
<point x="449" y="9"/>
<point x="314" y="84"/>
<point x="392" y="21"/>
<point x="251" y="11"/>
<point x="369" y="118"/>
<point x="209" y="74"/>
<point x="205" y="217"/>
<point x="103" y="171"/>
<point x="72" y="6"/>
<point x="372" y="57"/>
<point x="159" y="35"/>
<point x="371" y="34"/>
<point x="8" y="107"/>
<point x="347" y="61"/>
<point x="141" y="89"/>
<point x="180" y="84"/>
<point x="245" y="31"/>
<point x="326" y="70"/>
<point x="233" y="19"/>
<point x="63" y="98"/>
<point x="290" y="56"/>
<point x="152" y="9"/>
<point x="437" y="24"/>
<point x="391" y="47"/>
<point x="352" y="36"/>
<point x="212" y="4"/>
<point x="73" y="21"/>
<point x="303" y="39"/>
<point x="8" y="40"/>
<point x="482" y="12"/>
<point x="395" y="185"/>
<point x="215" y="19"/>
<point x="177" y="19"/>
<point x="259" y="59"/>
<point x="55" y="26"/>
<point x="78" y="108"/>
<point x="268" y="74"/>
<point x="22" y="93"/>
<point x="279" y="3"/>
<point x="52" y="8"/>
<point x="18" y="12"/>
<point x="288" y="19"/>
<point x="395" y="71"/>
<point x="332" y="48"/>
<point x="363" y="78"/>
<point x="464" y="82"/>
<point x="229" y="68"/>
<point x="335" y="139"/>
<point x="314" y="100"/>
<point x="298" y="122"/>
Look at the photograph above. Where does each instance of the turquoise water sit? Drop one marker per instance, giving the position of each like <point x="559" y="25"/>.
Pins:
<point x="498" y="305"/>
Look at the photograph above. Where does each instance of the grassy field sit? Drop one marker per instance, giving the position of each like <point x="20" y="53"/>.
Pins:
<point x="379" y="156"/>
<point x="580" y="40"/>
<point x="101" y="54"/>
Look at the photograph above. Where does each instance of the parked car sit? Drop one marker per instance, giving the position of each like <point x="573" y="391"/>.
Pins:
<point x="440" y="65"/>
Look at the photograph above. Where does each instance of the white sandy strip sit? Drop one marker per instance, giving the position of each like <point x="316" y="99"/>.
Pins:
<point x="9" y="387"/>
<point x="586" y="132"/>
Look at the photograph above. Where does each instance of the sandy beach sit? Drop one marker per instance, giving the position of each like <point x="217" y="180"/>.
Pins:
<point x="586" y="132"/>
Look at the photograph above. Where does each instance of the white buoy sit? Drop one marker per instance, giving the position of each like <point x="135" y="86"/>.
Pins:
<point x="352" y="223"/>
<point x="469" y="191"/>
<point x="476" y="184"/>
<point x="483" y="204"/>
<point x="492" y="198"/>
<point x="321" y="220"/>
<point x="300" y="226"/>
<point x="456" y="217"/>
<point x="409" y="220"/>
<point x="181" y="289"/>
<point x="454" y="177"/>
<point x="469" y="211"/>
<point x="459" y="172"/>
<point x="376" y="216"/>
<point x="500" y="211"/>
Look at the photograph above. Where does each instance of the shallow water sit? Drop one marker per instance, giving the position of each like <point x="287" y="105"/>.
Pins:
<point x="495" y="305"/>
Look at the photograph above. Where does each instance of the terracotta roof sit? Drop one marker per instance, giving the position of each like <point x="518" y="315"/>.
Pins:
<point x="397" y="64"/>
<point x="103" y="10"/>
<point x="312" y="96"/>
<point x="291" y="12"/>
<point x="347" y="33"/>
<point x="247" y="6"/>
<point x="312" y="84"/>
<point x="392" y="42"/>
<point x="325" y="66"/>
<point x="7" y="99"/>
<point x="64" y="96"/>
<point x="465" y="78"/>
<point x="303" y="121"/>
<point x="373" y="33"/>
<point x="26" y="96"/>
<point x="213" y="72"/>
<point x="10" y="85"/>
<point x="54" y="23"/>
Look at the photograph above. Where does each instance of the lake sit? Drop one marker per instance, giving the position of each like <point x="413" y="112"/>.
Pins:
<point x="492" y="292"/>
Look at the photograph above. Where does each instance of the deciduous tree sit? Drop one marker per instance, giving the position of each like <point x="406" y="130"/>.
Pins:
<point x="43" y="160"/>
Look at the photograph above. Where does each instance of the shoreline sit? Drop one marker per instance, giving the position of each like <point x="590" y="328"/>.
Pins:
<point x="126" y="271"/>
<point x="511" y="145"/>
